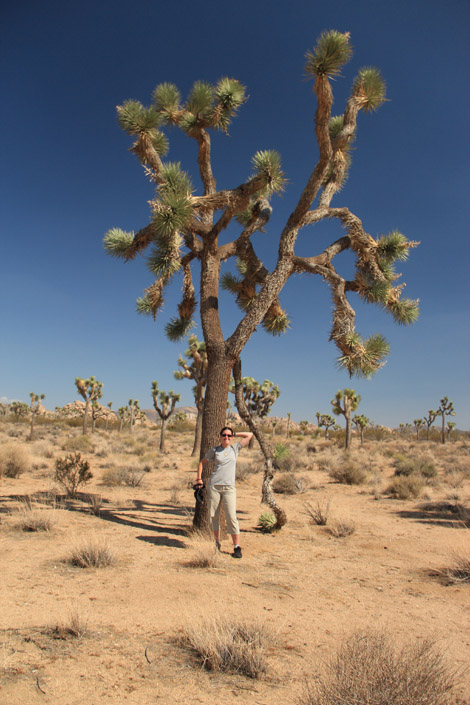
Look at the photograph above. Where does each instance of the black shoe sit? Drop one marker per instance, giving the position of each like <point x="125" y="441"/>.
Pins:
<point x="237" y="552"/>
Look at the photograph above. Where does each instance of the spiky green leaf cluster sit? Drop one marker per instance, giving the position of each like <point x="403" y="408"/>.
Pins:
<point x="144" y="306"/>
<point x="267" y="167"/>
<point x="332" y="51"/>
<point x="172" y="213"/>
<point x="229" y="282"/>
<point x="177" y="328"/>
<point x="167" y="99"/>
<point x="200" y="99"/>
<point x="137" y="120"/>
<point x="404" y="311"/>
<point x="163" y="261"/>
<point x="117" y="242"/>
<point x="276" y="325"/>
<point x="370" y="89"/>
<point x="175" y="180"/>
<point x="393" y="247"/>
<point x="366" y="357"/>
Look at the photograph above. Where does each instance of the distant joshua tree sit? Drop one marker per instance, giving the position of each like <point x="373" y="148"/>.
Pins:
<point x="418" y="423"/>
<point x="361" y="422"/>
<point x="446" y="408"/>
<point x="110" y="407"/>
<point x="429" y="420"/>
<point x="134" y="413"/>
<point x="19" y="408"/>
<point x="91" y="390"/>
<point x="194" y="366"/>
<point x="164" y="403"/>
<point x="449" y="428"/>
<point x="326" y="421"/>
<point x="258" y="397"/>
<point x="123" y="413"/>
<point x="34" y="409"/>
<point x="350" y="403"/>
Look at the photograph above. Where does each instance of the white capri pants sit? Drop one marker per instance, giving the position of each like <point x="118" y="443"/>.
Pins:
<point x="228" y="495"/>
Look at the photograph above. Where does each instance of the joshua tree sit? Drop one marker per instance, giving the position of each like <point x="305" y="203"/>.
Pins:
<point x="195" y="367"/>
<point x="185" y="228"/>
<point x="429" y="420"/>
<point x="91" y="390"/>
<point x="19" y="408"/>
<point x="34" y="409"/>
<point x="123" y="413"/>
<point x="288" y="423"/>
<point x="326" y="421"/>
<point x="361" y="422"/>
<point x="350" y="403"/>
<point x="110" y="407"/>
<point x="418" y="423"/>
<point x="259" y="398"/>
<point x="167" y="401"/>
<point x="134" y="412"/>
<point x="446" y="408"/>
<point x="449" y="428"/>
<point x="304" y="427"/>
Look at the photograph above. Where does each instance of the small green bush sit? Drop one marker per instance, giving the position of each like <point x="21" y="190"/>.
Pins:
<point x="72" y="472"/>
<point x="405" y="487"/>
<point x="348" y="473"/>
<point x="78" y="443"/>
<point x="406" y="466"/>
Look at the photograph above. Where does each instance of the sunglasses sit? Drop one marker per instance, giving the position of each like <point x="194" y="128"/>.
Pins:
<point x="226" y="435"/>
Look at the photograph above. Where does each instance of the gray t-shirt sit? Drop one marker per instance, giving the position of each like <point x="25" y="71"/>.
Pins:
<point x="225" y="461"/>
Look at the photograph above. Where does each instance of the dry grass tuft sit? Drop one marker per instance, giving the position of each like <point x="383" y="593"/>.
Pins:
<point x="317" y="514"/>
<point x="93" y="553"/>
<point x="222" y="644"/>
<point x="204" y="552"/>
<point x="75" y="627"/>
<point x="459" y="572"/>
<point x="341" y="528"/>
<point x="368" y="670"/>
<point x="14" y="460"/>
<point x="33" y="517"/>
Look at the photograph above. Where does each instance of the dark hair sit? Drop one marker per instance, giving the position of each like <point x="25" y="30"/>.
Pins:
<point x="226" y="428"/>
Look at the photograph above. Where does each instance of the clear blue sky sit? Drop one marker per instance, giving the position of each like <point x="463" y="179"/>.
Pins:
<point x="66" y="174"/>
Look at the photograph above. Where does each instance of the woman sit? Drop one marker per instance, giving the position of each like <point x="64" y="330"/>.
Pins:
<point x="222" y="484"/>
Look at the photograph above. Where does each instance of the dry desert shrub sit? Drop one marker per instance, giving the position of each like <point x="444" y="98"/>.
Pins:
<point x="93" y="553"/>
<point x="406" y="465"/>
<point x="341" y="528"/>
<point x="128" y="475"/>
<point x="234" y="646"/>
<point x="204" y="552"/>
<point x="14" y="460"/>
<point x="95" y="504"/>
<point x="317" y="514"/>
<point x="246" y="470"/>
<point x="33" y="517"/>
<point x="405" y="487"/>
<point x="71" y="472"/>
<point x="348" y="472"/>
<point x="287" y="483"/>
<point x="459" y="571"/>
<point x="74" y="627"/>
<point x="175" y="491"/>
<point x="82" y="444"/>
<point x="369" y="670"/>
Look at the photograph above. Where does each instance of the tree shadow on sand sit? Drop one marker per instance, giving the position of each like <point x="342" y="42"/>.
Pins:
<point x="451" y="514"/>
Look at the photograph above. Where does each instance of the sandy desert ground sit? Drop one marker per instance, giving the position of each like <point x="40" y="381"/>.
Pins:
<point x="116" y="634"/>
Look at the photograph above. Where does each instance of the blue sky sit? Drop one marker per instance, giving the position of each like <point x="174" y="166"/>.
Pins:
<point x="67" y="176"/>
